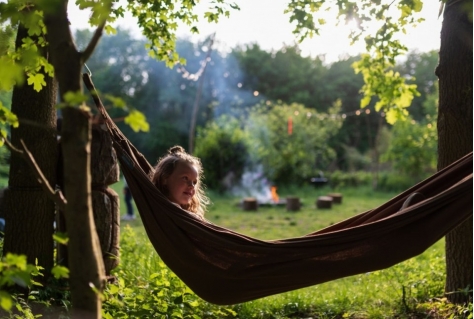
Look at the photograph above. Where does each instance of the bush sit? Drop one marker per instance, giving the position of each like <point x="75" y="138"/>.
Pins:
<point x="290" y="141"/>
<point x="339" y="179"/>
<point x="222" y="147"/>
<point x="395" y="182"/>
<point x="386" y="181"/>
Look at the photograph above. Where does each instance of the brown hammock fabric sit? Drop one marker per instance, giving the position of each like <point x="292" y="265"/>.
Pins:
<point x="225" y="267"/>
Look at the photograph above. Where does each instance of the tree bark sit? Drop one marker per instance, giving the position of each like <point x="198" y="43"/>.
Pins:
<point x="105" y="201"/>
<point x="455" y="134"/>
<point x="87" y="275"/>
<point x="85" y="261"/>
<point x="28" y="211"/>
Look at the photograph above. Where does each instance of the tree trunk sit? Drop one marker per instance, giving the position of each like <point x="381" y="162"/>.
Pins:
<point x="455" y="134"/>
<point x="105" y="201"/>
<point x="29" y="213"/>
<point x="85" y="261"/>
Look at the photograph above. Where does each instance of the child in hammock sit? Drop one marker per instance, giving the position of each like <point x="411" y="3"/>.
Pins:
<point x="178" y="176"/>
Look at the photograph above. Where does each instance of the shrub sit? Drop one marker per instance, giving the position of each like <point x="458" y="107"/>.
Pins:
<point x="339" y="179"/>
<point x="290" y="141"/>
<point x="14" y="270"/>
<point x="222" y="147"/>
<point x="395" y="182"/>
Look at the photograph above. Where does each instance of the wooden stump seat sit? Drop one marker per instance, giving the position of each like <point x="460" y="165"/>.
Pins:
<point x="324" y="202"/>
<point x="250" y="204"/>
<point x="336" y="198"/>
<point x="293" y="203"/>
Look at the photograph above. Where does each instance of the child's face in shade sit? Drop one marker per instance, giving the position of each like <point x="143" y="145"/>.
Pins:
<point x="181" y="183"/>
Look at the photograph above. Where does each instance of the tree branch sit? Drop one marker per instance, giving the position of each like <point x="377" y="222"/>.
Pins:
<point x="93" y="42"/>
<point x="55" y="196"/>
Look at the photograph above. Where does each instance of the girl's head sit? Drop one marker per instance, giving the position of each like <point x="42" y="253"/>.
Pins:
<point x="178" y="176"/>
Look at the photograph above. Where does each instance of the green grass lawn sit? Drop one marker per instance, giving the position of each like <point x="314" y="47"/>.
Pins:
<point x="401" y="291"/>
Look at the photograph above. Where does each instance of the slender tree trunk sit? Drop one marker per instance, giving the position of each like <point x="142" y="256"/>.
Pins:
<point x="455" y="133"/>
<point x="192" y="127"/>
<point x="85" y="261"/>
<point x="29" y="213"/>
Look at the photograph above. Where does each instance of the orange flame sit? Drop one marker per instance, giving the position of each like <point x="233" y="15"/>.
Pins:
<point x="275" y="196"/>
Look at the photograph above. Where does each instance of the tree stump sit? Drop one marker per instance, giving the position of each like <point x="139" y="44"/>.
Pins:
<point x="336" y="198"/>
<point x="324" y="202"/>
<point x="250" y="204"/>
<point x="105" y="201"/>
<point x="293" y="203"/>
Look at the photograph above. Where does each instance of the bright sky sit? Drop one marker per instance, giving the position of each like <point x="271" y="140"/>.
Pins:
<point x="263" y="22"/>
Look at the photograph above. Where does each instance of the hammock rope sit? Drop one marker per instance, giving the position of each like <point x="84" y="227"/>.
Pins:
<point x="225" y="267"/>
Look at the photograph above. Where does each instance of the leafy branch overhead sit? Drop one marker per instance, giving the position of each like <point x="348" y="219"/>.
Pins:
<point x="380" y="23"/>
<point x="158" y="19"/>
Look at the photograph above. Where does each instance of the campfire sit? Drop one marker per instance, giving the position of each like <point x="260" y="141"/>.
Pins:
<point x="272" y="198"/>
<point x="275" y="197"/>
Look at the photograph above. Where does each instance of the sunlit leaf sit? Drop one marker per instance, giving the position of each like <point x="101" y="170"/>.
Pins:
<point x="116" y="101"/>
<point x="137" y="121"/>
<point x="10" y="73"/>
<point x="6" y="301"/>
<point x="37" y="80"/>
<point x="74" y="98"/>
<point x="61" y="238"/>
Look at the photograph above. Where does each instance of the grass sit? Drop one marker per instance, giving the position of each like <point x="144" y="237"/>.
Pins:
<point x="403" y="291"/>
<point x="146" y="288"/>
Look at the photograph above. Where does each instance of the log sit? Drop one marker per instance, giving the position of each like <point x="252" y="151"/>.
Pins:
<point x="324" y="202"/>
<point x="336" y="198"/>
<point x="250" y="204"/>
<point x="293" y="204"/>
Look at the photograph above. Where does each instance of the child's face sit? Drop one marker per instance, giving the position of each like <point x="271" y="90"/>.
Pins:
<point x="181" y="183"/>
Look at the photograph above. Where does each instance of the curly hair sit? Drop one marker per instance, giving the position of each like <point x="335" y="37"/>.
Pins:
<point x="165" y="167"/>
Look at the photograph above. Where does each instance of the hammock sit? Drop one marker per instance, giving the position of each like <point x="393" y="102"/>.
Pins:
<point x="225" y="267"/>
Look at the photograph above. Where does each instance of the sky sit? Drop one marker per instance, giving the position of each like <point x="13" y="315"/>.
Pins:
<point x="264" y="22"/>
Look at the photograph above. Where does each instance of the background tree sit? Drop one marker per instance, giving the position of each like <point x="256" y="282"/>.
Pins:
<point x="394" y="94"/>
<point x="37" y="115"/>
<point x="85" y="262"/>
<point x="418" y="68"/>
<point x="455" y="132"/>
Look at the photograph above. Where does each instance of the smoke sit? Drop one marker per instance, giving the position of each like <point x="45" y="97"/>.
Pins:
<point x="254" y="184"/>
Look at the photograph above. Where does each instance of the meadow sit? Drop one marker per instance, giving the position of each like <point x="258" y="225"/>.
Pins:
<point x="146" y="288"/>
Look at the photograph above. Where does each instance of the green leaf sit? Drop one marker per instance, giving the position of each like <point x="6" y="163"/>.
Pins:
<point x="61" y="238"/>
<point x="110" y="30"/>
<point x="37" y="80"/>
<point x="365" y="101"/>
<point x="72" y="98"/>
<point x="60" y="272"/>
<point x="6" y="301"/>
<point x="116" y="101"/>
<point x="113" y="289"/>
<point x="10" y="73"/>
<point x="137" y="121"/>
